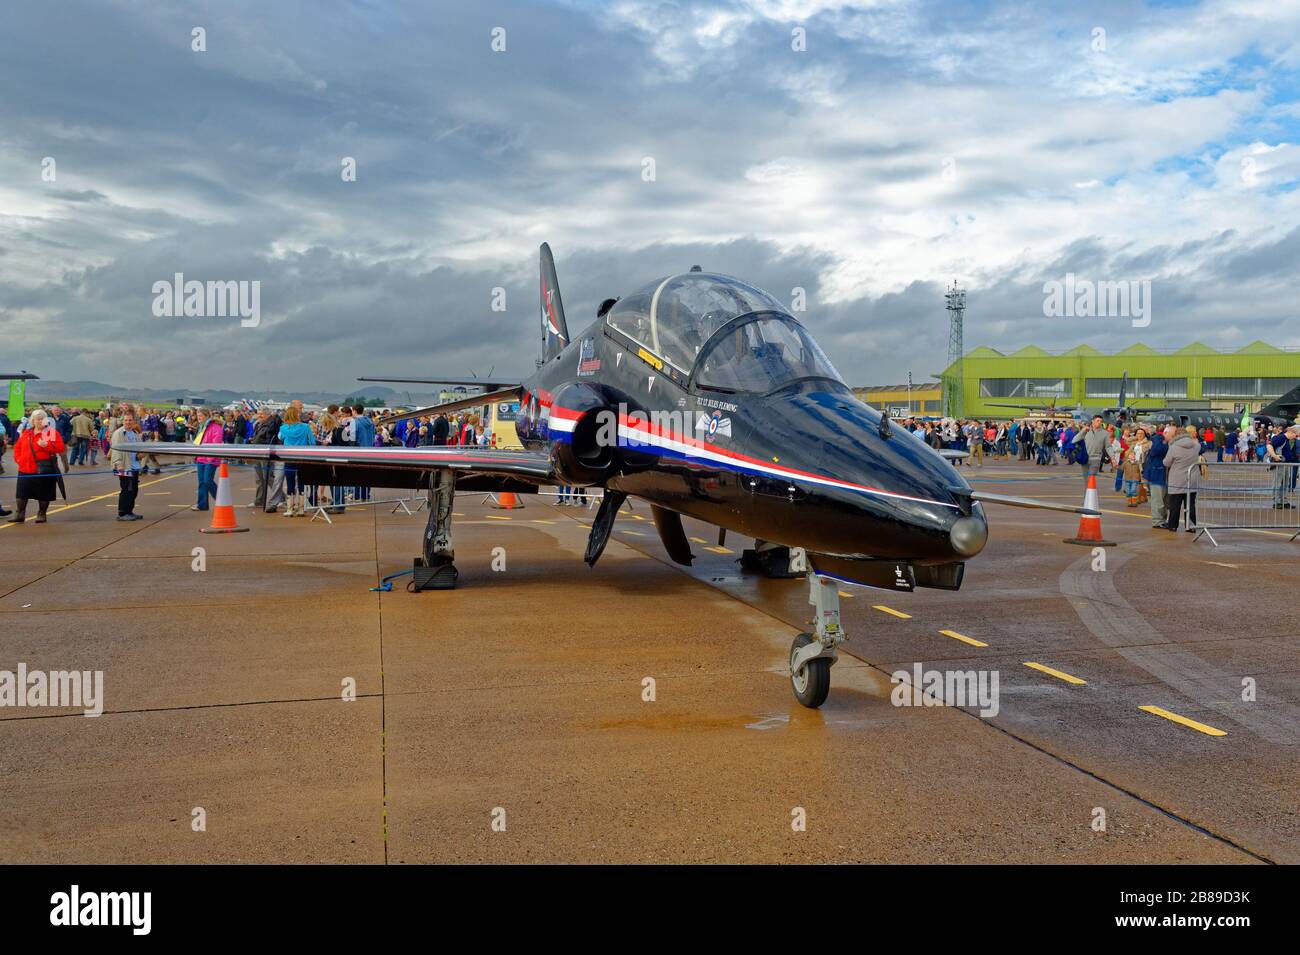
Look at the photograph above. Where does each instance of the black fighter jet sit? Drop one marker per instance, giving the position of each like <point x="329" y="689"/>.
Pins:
<point x="1283" y="410"/>
<point x="702" y="396"/>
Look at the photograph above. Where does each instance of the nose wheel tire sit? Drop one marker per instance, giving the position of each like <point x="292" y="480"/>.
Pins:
<point x="812" y="681"/>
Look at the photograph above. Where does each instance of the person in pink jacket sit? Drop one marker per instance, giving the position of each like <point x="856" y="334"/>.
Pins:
<point x="211" y="430"/>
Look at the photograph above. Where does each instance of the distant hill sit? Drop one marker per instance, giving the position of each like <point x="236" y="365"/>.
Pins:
<point x="51" y="390"/>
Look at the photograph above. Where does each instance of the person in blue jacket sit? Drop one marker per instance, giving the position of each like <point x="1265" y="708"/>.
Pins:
<point x="294" y="432"/>
<point x="1153" y="472"/>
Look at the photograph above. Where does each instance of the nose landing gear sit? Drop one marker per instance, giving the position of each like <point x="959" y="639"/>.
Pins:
<point x="813" y="654"/>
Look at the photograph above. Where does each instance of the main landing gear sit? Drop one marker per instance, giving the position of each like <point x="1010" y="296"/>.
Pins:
<point x="436" y="570"/>
<point x="813" y="654"/>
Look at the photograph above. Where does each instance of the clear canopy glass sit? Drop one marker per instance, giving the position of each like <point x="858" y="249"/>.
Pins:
<point x="675" y="317"/>
<point x="763" y="355"/>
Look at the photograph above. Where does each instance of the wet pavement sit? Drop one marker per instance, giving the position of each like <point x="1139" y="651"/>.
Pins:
<point x="640" y="711"/>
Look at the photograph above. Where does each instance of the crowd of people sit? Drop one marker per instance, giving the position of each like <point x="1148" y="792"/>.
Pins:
<point x="51" y="443"/>
<point x="1160" y="464"/>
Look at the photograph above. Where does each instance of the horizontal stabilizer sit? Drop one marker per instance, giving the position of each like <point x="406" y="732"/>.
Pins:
<point x="460" y="404"/>
<point x="485" y="383"/>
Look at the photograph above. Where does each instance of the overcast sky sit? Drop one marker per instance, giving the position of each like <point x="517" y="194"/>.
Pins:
<point x="1001" y="145"/>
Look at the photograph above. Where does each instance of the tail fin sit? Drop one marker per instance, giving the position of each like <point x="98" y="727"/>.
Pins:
<point x="555" y="333"/>
<point x="1123" y="390"/>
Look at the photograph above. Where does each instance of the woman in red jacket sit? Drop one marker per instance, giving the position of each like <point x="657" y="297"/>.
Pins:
<point x="37" y="455"/>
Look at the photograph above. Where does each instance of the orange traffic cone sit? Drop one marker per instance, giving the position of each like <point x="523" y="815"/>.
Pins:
<point x="223" y="517"/>
<point x="508" y="501"/>
<point x="1090" y="527"/>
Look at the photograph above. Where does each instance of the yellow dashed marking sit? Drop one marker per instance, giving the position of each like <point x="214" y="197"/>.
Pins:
<point x="92" y="500"/>
<point x="699" y="540"/>
<point x="633" y="533"/>
<point x="720" y="550"/>
<point x="1174" y="717"/>
<point x="845" y="593"/>
<point x="963" y="638"/>
<point x="892" y="612"/>
<point x="538" y="521"/>
<point x="1072" y="680"/>
<point x="496" y="517"/>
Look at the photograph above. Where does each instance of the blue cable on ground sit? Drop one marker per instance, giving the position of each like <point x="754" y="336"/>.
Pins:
<point x="386" y="585"/>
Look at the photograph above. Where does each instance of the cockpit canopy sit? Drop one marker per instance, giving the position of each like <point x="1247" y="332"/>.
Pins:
<point x="681" y="319"/>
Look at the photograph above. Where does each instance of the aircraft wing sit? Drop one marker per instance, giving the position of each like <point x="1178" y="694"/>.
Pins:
<point x="531" y="466"/>
<point x="18" y="376"/>
<point x="474" y="401"/>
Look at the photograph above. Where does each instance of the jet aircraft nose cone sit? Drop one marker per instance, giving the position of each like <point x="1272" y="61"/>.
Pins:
<point x="969" y="535"/>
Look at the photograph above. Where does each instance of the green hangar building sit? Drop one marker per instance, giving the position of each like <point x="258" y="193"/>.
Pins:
<point x="1195" y="377"/>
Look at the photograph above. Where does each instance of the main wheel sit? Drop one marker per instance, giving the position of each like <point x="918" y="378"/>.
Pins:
<point x="812" y="681"/>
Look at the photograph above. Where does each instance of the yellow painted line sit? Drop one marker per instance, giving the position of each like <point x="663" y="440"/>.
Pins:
<point x="720" y="550"/>
<point x="1072" y="680"/>
<point x="963" y="638"/>
<point x="633" y="533"/>
<point x="844" y="593"/>
<point x="496" y="517"/>
<point x="699" y="540"/>
<point x="1199" y="727"/>
<point x="892" y="612"/>
<point x="91" y="500"/>
<point x="538" y="521"/>
<point x="638" y="517"/>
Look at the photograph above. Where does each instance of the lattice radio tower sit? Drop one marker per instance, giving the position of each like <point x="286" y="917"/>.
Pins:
<point x="953" y="378"/>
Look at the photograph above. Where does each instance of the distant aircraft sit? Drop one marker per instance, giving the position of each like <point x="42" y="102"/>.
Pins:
<point x="1283" y="410"/>
<point x="1123" y="414"/>
<point x="1114" y="414"/>
<point x="703" y="396"/>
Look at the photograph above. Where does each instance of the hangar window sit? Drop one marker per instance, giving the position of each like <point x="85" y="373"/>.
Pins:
<point x="1136" y="388"/>
<point x="1025" y="387"/>
<point x="1103" y="387"/>
<point x="1158" y="387"/>
<point x="1247" y="387"/>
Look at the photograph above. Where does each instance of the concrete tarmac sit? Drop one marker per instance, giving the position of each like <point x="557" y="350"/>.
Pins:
<point x="639" y="711"/>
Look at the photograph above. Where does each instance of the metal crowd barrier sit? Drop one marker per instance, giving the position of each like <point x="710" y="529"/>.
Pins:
<point x="1243" y="497"/>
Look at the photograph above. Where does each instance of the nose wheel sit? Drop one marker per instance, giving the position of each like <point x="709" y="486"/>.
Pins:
<point x="811" y="681"/>
<point x="813" y="654"/>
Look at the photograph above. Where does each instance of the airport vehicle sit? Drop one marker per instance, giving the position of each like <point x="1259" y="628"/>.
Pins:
<point x="702" y="396"/>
